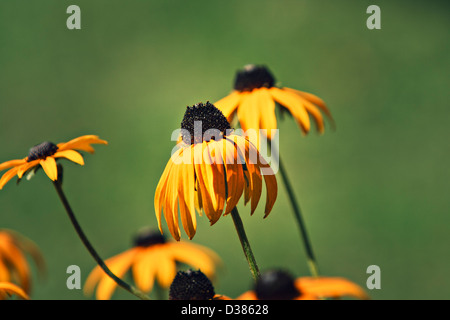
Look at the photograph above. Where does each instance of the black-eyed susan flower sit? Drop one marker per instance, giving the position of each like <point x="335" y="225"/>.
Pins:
<point x="193" y="285"/>
<point x="209" y="172"/>
<point x="14" y="267"/>
<point x="151" y="259"/>
<point x="45" y="156"/>
<point x="280" y="285"/>
<point x="254" y="99"/>
<point x="8" y="289"/>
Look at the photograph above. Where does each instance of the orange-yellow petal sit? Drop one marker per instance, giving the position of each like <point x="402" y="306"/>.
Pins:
<point x="294" y="104"/>
<point x="12" y="163"/>
<point x="229" y="104"/>
<point x="267" y="108"/>
<point x="195" y="256"/>
<point x="144" y="268"/>
<point x="248" y="111"/>
<point x="8" y="175"/>
<point x="166" y="270"/>
<point x="82" y="143"/>
<point x="71" y="155"/>
<point x="25" y="167"/>
<point x="118" y="265"/>
<point x="11" y="288"/>
<point x="329" y="287"/>
<point x="49" y="166"/>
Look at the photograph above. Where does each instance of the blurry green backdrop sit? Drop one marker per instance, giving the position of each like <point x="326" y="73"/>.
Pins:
<point x="374" y="191"/>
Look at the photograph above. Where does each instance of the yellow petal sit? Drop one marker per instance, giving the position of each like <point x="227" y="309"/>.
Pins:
<point x="166" y="270"/>
<point x="12" y="163"/>
<point x="229" y="104"/>
<point x="49" y="166"/>
<point x="11" y="288"/>
<point x="294" y="104"/>
<point x="248" y="112"/>
<point x="82" y="143"/>
<point x="72" y="155"/>
<point x="267" y="107"/>
<point x="144" y="269"/>
<point x="118" y="266"/>
<point x="26" y="166"/>
<point x="235" y="176"/>
<point x="171" y="202"/>
<point x="14" y="257"/>
<point x="8" y="175"/>
<point x="195" y="256"/>
<point x="160" y="192"/>
<point x="330" y="287"/>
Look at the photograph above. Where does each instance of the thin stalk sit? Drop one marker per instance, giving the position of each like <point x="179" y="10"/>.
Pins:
<point x="245" y="243"/>
<point x="312" y="263"/>
<point x="91" y="249"/>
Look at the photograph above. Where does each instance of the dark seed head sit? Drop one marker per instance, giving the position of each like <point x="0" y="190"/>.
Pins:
<point x="253" y="77"/>
<point x="147" y="237"/>
<point x="201" y="118"/>
<point x="276" y="285"/>
<point x="191" y="285"/>
<point x="42" y="151"/>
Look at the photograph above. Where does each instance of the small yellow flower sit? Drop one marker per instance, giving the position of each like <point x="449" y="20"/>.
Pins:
<point x="151" y="258"/>
<point x="13" y="263"/>
<point x="280" y="285"/>
<point x="8" y="288"/>
<point x="255" y="96"/>
<point x="210" y="174"/>
<point x="45" y="155"/>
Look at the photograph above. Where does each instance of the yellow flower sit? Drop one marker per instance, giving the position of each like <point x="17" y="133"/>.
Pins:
<point x="8" y="288"/>
<point x="45" y="155"/>
<point x="13" y="263"/>
<point x="280" y="285"/>
<point x="210" y="173"/>
<point x="253" y="100"/>
<point x="152" y="258"/>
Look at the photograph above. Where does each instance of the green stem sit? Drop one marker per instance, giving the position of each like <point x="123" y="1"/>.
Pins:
<point x="91" y="249"/>
<point x="245" y="243"/>
<point x="312" y="263"/>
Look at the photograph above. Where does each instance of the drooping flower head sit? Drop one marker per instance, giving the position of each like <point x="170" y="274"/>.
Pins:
<point x="152" y="258"/>
<point x="209" y="172"/>
<point x="14" y="267"/>
<point x="254" y="100"/>
<point x="45" y="155"/>
<point x="281" y="285"/>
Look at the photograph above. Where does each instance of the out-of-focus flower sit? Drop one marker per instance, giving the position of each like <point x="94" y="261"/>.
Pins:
<point x="255" y="96"/>
<point x="45" y="155"/>
<point x="14" y="267"/>
<point x="280" y="285"/>
<point x="151" y="259"/>
<point x="7" y="289"/>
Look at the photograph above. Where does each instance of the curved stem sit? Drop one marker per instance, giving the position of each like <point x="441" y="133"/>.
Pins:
<point x="91" y="249"/>
<point x="312" y="263"/>
<point x="245" y="243"/>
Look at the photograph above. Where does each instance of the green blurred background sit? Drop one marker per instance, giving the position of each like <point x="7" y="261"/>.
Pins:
<point x="374" y="191"/>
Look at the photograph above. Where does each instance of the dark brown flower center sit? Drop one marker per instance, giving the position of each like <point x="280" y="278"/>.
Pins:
<point x="276" y="285"/>
<point x="191" y="285"/>
<point x="200" y="119"/>
<point x="148" y="237"/>
<point x="42" y="151"/>
<point x="253" y="77"/>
